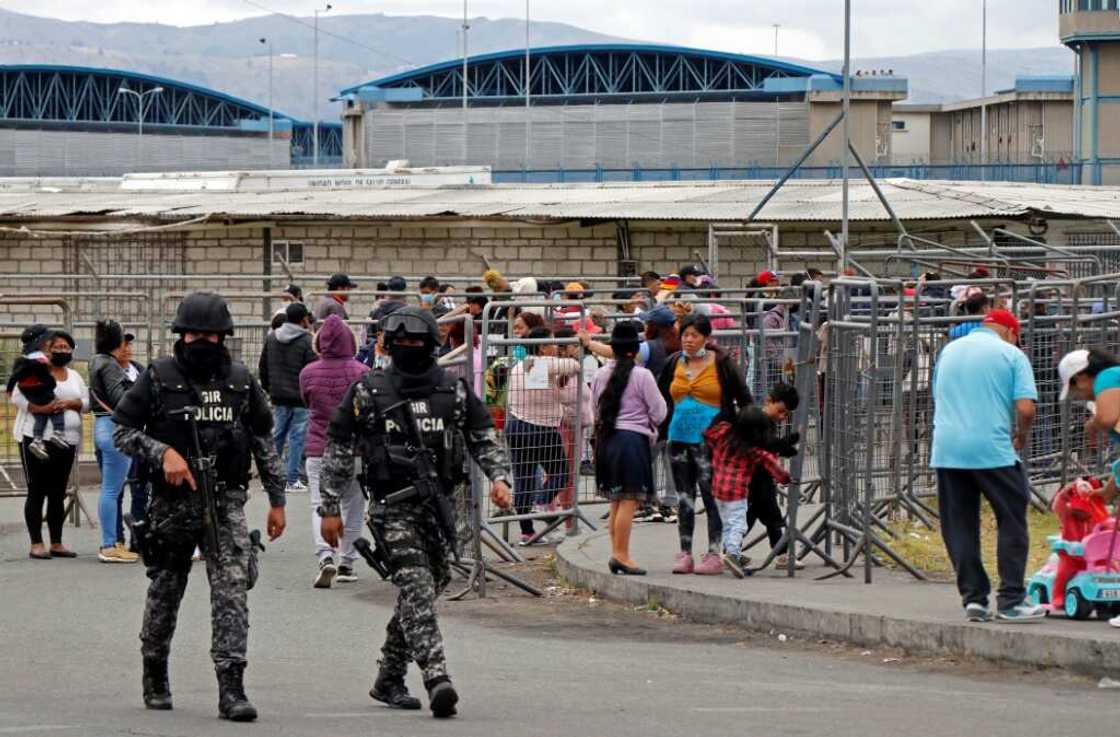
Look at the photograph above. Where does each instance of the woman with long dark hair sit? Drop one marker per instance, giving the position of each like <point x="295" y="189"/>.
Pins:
<point x="701" y="384"/>
<point x="629" y="408"/>
<point x="109" y="378"/>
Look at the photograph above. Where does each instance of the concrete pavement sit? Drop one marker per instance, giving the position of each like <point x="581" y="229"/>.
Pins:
<point x="552" y="667"/>
<point x="896" y="610"/>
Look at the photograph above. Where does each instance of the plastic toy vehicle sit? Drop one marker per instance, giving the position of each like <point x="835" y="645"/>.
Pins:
<point x="1096" y="587"/>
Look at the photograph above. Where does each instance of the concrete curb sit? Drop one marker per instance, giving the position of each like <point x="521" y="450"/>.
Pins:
<point x="1008" y="643"/>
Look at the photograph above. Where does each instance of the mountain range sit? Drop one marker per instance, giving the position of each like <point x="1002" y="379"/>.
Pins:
<point x="356" y="48"/>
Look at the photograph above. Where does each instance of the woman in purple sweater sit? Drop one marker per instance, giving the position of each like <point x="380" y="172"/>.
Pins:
<point x="629" y="408"/>
<point x="323" y="384"/>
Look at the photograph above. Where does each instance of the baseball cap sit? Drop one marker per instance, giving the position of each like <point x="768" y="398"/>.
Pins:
<point x="767" y="278"/>
<point x="1071" y="365"/>
<point x="397" y="284"/>
<point x="1004" y="318"/>
<point x="660" y="315"/>
<point x="340" y="281"/>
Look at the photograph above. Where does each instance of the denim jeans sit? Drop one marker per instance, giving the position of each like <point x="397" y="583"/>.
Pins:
<point x="535" y="449"/>
<point x="114" y="471"/>
<point x="733" y="515"/>
<point x="290" y="427"/>
<point x="138" y="499"/>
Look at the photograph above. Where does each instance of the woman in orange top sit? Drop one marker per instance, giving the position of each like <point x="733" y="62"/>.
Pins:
<point x="700" y="384"/>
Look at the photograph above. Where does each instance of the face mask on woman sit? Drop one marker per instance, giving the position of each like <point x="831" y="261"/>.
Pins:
<point x="61" y="358"/>
<point x="702" y="353"/>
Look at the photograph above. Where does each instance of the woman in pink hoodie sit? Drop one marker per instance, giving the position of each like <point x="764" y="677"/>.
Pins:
<point x="323" y="384"/>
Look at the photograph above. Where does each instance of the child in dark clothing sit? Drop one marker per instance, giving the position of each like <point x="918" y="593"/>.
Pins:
<point x="32" y="374"/>
<point x="782" y="400"/>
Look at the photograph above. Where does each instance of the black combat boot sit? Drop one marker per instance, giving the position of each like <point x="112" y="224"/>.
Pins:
<point x="442" y="697"/>
<point x="232" y="702"/>
<point x="391" y="691"/>
<point x="157" y="693"/>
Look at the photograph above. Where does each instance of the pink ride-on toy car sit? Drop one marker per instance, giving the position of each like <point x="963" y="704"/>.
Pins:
<point x="1095" y="587"/>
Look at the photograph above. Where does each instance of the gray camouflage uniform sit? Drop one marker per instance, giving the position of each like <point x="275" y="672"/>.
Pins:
<point x="418" y="556"/>
<point x="232" y="572"/>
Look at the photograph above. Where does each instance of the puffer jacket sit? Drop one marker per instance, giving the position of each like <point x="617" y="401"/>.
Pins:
<point x="324" y="383"/>
<point x="287" y="349"/>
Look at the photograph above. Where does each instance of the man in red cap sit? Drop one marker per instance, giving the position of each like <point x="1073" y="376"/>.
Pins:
<point x="984" y="405"/>
<point x="765" y="279"/>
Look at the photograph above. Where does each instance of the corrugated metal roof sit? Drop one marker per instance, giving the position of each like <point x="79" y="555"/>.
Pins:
<point x="798" y="201"/>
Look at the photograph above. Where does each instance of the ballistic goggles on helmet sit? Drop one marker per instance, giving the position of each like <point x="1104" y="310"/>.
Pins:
<point x="408" y="324"/>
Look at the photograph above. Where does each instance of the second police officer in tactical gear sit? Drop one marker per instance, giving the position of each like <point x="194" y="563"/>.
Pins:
<point x="233" y="420"/>
<point x="380" y="419"/>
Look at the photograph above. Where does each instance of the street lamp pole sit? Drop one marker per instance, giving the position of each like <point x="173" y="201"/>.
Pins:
<point x="528" y="81"/>
<point x="140" y="108"/>
<point x="315" y="124"/>
<point x="271" y="116"/>
<point x="984" y="92"/>
<point x="466" y="53"/>
<point x="777" y="27"/>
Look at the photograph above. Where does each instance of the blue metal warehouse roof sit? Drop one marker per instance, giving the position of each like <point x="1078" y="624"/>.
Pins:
<point x="634" y="77"/>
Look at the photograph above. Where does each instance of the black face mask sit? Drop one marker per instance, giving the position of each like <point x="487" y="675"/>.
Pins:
<point x="61" y="359"/>
<point x="201" y="358"/>
<point x="412" y="359"/>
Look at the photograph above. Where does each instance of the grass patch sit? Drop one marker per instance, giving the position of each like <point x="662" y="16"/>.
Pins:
<point x="924" y="549"/>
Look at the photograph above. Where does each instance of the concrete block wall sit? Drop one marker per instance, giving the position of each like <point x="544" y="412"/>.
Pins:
<point x="451" y="248"/>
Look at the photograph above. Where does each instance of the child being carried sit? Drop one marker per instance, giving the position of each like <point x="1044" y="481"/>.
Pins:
<point x="32" y="374"/>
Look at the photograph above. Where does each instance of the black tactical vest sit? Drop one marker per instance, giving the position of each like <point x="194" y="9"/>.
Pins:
<point x="223" y="407"/>
<point x="385" y="438"/>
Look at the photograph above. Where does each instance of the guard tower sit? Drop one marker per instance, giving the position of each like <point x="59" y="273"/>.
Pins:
<point x="1091" y="28"/>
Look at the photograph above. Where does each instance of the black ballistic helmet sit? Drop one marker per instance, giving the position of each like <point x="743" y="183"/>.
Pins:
<point x="410" y="322"/>
<point x="203" y="312"/>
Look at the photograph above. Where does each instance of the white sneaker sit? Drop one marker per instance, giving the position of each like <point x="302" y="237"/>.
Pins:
<point x="327" y="571"/>
<point x="1115" y="621"/>
<point x="295" y="488"/>
<point x="1023" y="613"/>
<point x="346" y="574"/>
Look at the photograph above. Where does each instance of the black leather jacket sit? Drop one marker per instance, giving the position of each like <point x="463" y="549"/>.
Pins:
<point x="108" y="382"/>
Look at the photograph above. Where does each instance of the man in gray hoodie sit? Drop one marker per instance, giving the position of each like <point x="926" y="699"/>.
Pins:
<point x="286" y="351"/>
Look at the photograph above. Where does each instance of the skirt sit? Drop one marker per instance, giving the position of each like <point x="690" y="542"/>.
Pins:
<point x="624" y="467"/>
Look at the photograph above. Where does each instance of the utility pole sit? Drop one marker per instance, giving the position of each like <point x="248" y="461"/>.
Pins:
<point x="984" y="92"/>
<point x="315" y="128"/>
<point x="271" y="116"/>
<point x="140" y="109"/>
<point x="466" y="55"/>
<point x="528" y="109"/>
<point x="847" y="133"/>
<point x="777" y="27"/>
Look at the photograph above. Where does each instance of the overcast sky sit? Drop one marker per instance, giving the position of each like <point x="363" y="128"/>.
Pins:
<point x="811" y="29"/>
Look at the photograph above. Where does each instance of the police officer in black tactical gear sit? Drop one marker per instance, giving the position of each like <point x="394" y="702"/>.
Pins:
<point x="233" y="420"/>
<point x="412" y="424"/>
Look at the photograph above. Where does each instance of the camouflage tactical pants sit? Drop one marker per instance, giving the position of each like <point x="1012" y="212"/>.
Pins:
<point x="421" y="572"/>
<point x="228" y="573"/>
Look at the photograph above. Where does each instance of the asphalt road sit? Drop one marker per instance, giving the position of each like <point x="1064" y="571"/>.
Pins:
<point x="560" y="666"/>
